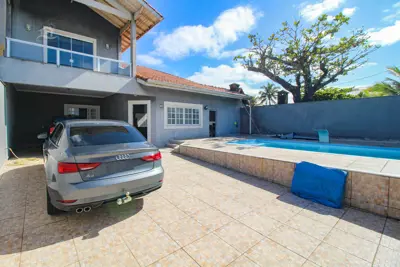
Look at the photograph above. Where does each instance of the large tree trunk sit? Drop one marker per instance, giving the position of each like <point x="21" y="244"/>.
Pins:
<point x="296" y="95"/>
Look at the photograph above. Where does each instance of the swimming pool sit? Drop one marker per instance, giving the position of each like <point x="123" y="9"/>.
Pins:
<point x="365" y="151"/>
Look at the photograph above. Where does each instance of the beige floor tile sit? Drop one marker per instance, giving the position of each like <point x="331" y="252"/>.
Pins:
<point x="292" y="202"/>
<point x="176" y="196"/>
<point x="277" y="212"/>
<point x="309" y="264"/>
<point x="323" y="214"/>
<point x="309" y="226"/>
<point x="116" y="256"/>
<point x="10" y="260"/>
<point x="167" y="215"/>
<point x="185" y="231"/>
<point x="38" y="217"/>
<point x="243" y="261"/>
<point x="391" y="235"/>
<point x="151" y="247"/>
<point x="156" y="202"/>
<point x="326" y="256"/>
<point x="11" y="226"/>
<point x="212" y="251"/>
<point x="177" y="259"/>
<point x="260" y="223"/>
<point x="270" y="253"/>
<point x="251" y="201"/>
<point x="10" y="244"/>
<point x="387" y="257"/>
<point x="211" y="218"/>
<point x="362" y="224"/>
<point x="239" y="236"/>
<point x="352" y="244"/>
<point x="192" y="205"/>
<point x="62" y="253"/>
<point x="97" y="242"/>
<point x="295" y="240"/>
<point x="136" y="225"/>
<point x="233" y="208"/>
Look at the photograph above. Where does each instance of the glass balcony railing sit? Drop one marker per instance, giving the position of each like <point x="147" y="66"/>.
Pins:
<point x="62" y="57"/>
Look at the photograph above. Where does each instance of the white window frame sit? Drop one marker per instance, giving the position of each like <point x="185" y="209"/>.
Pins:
<point x="130" y="114"/>
<point x="47" y="29"/>
<point x="182" y="105"/>
<point x="67" y="106"/>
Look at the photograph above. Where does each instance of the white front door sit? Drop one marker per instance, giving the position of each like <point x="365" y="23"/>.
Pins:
<point x="139" y="116"/>
<point x="82" y="111"/>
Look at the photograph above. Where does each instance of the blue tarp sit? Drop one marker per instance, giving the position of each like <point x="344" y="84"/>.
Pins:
<point x="319" y="184"/>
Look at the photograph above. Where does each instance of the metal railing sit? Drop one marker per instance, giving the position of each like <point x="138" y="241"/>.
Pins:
<point x="62" y="57"/>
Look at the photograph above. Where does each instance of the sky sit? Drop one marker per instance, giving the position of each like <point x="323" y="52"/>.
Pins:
<point x="198" y="40"/>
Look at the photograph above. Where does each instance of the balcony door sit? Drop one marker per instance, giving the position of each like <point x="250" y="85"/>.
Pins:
<point x="69" y="42"/>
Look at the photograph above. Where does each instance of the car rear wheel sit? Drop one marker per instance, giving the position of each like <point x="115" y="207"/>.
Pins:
<point x="51" y="210"/>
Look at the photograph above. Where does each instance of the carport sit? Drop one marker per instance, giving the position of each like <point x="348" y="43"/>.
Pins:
<point x="33" y="109"/>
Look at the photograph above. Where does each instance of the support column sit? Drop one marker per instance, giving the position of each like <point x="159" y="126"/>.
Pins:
<point x="3" y="27"/>
<point x="133" y="45"/>
<point x="250" y="120"/>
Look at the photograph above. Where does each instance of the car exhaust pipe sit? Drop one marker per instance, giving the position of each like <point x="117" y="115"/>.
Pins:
<point x="79" y="210"/>
<point x="87" y="209"/>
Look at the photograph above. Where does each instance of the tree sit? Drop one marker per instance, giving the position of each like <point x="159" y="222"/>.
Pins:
<point x="389" y="87"/>
<point x="269" y="94"/>
<point x="307" y="58"/>
<point x="253" y="101"/>
<point x="332" y="93"/>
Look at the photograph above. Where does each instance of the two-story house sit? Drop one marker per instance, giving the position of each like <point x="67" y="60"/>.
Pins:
<point x="62" y="57"/>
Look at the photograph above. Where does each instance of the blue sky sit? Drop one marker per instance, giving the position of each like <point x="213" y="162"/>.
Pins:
<point x="198" y="39"/>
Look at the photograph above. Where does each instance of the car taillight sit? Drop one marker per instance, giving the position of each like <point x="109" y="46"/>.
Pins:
<point x="67" y="201"/>
<point x="51" y="129"/>
<point x="64" y="167"/>
<point x="154" y="157"/>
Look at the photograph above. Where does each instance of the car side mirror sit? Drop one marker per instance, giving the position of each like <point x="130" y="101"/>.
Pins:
<point x="42" y="136"/>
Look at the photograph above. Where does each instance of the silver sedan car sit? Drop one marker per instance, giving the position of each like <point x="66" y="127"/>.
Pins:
<point x="91" y="162"/>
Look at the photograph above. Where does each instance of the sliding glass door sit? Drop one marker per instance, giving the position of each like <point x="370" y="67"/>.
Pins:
<point x="67" y="58"/>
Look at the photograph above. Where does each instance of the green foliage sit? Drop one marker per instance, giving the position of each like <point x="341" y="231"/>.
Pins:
<point x="332" y="93"/>
<point x="269" y="94"/>
<point x="389" y="87"/>
<point x="300" y="58"/>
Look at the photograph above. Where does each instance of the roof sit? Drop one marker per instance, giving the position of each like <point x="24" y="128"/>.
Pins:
<point x="145" y="73"/>
<point x="147" y="18"/>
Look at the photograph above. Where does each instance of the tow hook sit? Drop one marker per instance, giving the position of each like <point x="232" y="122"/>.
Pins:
<point x="125" y="199"/>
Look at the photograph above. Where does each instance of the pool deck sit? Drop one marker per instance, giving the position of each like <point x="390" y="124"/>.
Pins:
<point x="378" y="166"/>
<point x="372" y="184"/>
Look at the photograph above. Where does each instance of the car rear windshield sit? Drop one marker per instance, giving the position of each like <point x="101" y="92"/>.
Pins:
<point x="104" y="135"/>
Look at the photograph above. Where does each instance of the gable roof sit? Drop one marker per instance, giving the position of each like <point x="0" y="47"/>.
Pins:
<point x="147" y="74"/>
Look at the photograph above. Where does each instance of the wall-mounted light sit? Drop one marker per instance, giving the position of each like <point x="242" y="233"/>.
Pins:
<point x="161" y="105"/>
<point x="205" y="107"/>
<point x="28" y="27"/>
<point x="107" y="46"/>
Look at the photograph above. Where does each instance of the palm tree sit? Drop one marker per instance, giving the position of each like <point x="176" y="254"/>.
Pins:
<point x="390" y="87"/>
<point x="268" y="94"/>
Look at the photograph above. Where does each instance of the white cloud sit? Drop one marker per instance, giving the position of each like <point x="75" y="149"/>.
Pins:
<point x="224" y="75"/>
<point x="349" y="11"/>
<point x="370" y="64"/>
<point x="386" y="36"/>
<point x="312" y="11"/>
<point x="226" y="29"/>
<point x="386" y="10"/>
<point x="149" y="60"/>
<point x="396" y="5"/>
<point x="231" y="53"/>
<point x="393" y="16"/>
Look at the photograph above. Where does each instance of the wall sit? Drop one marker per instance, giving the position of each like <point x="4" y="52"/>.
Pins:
<point x="36" y="111"/>
<point x="63" y="15"/>
<point x="11" y="109"/>
<point x="373" y="118"/>
<point x="3" y="126"/>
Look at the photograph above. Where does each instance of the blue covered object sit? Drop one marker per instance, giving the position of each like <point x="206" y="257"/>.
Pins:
<point x="319" y="184"/>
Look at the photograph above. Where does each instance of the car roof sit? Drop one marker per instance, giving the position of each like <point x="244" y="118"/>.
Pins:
<point x="75" y="122"/>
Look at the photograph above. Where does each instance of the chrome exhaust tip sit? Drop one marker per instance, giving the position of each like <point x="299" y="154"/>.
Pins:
<point x="79" y="210"/>
<point x="87" y="209"/>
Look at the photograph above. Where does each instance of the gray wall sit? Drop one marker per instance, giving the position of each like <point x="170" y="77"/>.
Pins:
<point x="11" y="110"/>
<point x="3" y="126"/>
<point x="374" y="118"/>
<point x="66" y="16"/>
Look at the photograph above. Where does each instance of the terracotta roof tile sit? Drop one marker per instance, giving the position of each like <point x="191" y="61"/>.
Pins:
<point x="151" y="74"/>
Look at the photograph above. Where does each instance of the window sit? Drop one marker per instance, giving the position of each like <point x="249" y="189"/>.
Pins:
<point x="104" y="135"/>
<point x="72" y="42"/>
<point x="56" y="134"/>
<point x="181" y="115"/>
<point x="82" y="111"/>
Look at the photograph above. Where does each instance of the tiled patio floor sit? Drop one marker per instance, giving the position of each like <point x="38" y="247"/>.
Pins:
<point x="204" y="215"/>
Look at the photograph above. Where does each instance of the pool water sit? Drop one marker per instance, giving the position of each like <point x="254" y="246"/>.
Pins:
<point x="365" y="151"/>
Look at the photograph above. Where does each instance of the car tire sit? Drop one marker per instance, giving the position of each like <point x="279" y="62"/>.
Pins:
<point x="51" y="210"/>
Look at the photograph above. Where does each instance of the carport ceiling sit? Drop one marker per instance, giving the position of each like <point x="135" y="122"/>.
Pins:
<point x="60" y="91"/>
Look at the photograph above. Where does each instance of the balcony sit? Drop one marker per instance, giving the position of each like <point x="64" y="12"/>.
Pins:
<point x="62" y="57"/>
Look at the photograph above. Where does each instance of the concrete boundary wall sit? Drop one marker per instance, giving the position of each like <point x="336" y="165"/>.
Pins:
<point x="371" y="118"/>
